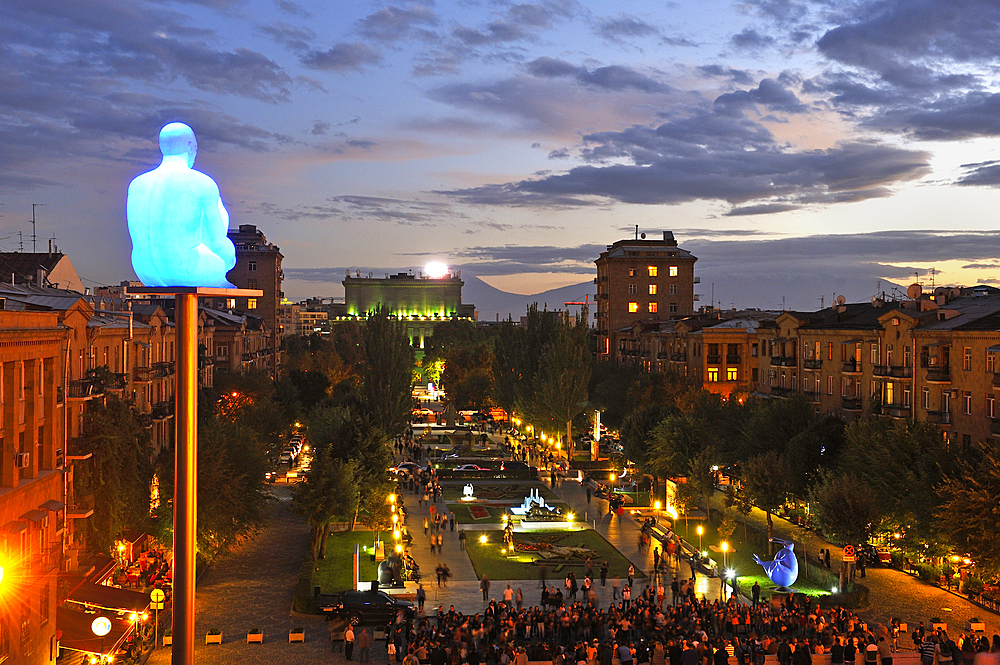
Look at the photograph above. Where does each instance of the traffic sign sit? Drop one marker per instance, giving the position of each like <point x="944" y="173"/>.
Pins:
<point x="849" y="556"/>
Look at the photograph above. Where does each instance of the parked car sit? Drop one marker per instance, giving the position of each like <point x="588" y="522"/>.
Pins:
<point x="362" y="607"/>
<point x="513" y="465"/>
<point x="469" y="467"/>
<point x="411" y="467"/>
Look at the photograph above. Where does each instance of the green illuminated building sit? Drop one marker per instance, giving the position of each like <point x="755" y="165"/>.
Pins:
<point x="419" y="300"/>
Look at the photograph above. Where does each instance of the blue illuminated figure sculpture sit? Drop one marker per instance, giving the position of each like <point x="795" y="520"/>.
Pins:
<point x="177" y="221"/>
<point x="783" y="570"/>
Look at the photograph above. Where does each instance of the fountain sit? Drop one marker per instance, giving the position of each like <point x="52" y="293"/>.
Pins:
<point x="468" y="493"/>
<point x="534" y="499"/>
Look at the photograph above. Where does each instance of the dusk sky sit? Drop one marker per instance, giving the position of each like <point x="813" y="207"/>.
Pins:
<point x="787" y="144"/>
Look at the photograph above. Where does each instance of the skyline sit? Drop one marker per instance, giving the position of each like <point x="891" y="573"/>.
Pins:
<point x="799" y="144"/>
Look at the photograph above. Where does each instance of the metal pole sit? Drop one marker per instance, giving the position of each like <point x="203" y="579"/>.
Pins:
<point x="185" y="479"/>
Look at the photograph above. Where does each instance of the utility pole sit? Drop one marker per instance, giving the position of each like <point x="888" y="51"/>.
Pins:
<point x="34" y="237"/>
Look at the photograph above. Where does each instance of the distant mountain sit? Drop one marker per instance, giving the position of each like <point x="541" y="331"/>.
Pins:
<point x="491" y="302"/>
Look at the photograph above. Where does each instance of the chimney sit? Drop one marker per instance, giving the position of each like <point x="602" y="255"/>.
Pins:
<point x="40" y="277"/>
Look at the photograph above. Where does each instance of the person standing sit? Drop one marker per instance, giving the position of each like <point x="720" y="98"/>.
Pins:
<point x="484" y="586"/>
<point x="461" y="540"/>
<point x="631" y="574"/>
<point x="422" y="595"/>
<point x="755" y="591"/>
<point x="349" y="642"/>
<point x="519" y="601"/>
<point x="588" y="495"/>
<point x="604" y="574"/>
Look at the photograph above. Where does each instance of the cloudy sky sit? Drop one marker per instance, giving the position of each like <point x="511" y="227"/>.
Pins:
<point x="784" y="142"/>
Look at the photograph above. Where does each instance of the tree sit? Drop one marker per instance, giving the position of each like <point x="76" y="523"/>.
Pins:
<point x="386" y="375"/>
<point x="737" y="497"/>
<point x="969" y="512"/>
<point x="564" y="375"/>
<point x="330" y="493"/>
<point x="848" y="509"/>
<point x="766" y="480"/>
<point x="468" y="377"/>
<point x="119" y="473"/>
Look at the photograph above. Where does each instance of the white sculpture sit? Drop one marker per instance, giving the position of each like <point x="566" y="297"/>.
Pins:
<point x="534" y="498"/>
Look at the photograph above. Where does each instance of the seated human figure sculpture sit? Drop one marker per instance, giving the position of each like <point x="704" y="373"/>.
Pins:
<point x="177" y="221"/>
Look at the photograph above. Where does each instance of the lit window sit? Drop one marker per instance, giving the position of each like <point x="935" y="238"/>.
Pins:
<point x="713" y="374"/>
<point x="652" y="308"/>
<point x="732" y="373"/>
<point x="673" y="271"/>
<point x="251" y="303"/>
<point x="230" y="303"/>
<point x="633" y="307"/>
<point x="652" y="289"/>
<point x="631" y="272"/>
<point x="651" y="270"/>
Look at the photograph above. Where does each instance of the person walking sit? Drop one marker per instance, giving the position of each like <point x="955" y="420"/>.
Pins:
<point x="484" y="586"/>
<point x="461" y="540"/>
<point x="519" y="601"/>
<point x="427" y="525"/>
<point x="422" y="595"/>
<point x="604" y="574"/>
<point x="349" y="642"/>
<point x="631" y="574"/>
<point x="364" y="645"/>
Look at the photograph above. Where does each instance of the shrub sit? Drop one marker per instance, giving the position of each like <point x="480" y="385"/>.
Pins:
<point x="927" y="572"/>
<point x="973" y="586"/>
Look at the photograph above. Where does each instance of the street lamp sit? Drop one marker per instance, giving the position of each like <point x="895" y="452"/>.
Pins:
<point x="701" y="531"/>
<point x="101" y="626"/>
<point x="725" y="553"/>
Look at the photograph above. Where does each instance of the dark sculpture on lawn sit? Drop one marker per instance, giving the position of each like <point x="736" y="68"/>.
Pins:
<point x="390" y="571"/>
<point x="539" y="513"/>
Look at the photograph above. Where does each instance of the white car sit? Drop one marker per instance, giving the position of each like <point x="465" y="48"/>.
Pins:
<point x="469" y="467"/>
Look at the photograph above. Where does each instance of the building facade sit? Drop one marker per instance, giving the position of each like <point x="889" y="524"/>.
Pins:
<point x="641" y="279"/>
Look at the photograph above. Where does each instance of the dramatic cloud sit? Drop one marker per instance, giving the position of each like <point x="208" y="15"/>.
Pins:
<point x="983" y="173"/>
<point x="392" y="24"/>
<point x="751" y="40"/>
<point x="769" y="93"/>
<point x="613" y="77"/>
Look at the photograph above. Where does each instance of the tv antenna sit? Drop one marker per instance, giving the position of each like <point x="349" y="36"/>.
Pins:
<point x="34" y="238"/>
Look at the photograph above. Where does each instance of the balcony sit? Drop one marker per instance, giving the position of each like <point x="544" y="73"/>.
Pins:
<point x="82" y="390"/>
<point x="162" y="411"/>
<point x="940" y="417"/>
<point x="880" y="370"/>
<point x="162" y="370"/>
<point x="782" y="392"/>
<point x="850" y="404"/>
<point x="784" y="361"/>
<point x="141" y="374"/>
<point x="812" y="364"/>
<point x="732" y="360"/>
<point x="82" y="509"/>
<point x="51" y="558"/>
<point x="896" y="411"/>
<point x="996" y="379"/>
<point x="78" y="449"/>
<point x="851" y="367"/>
<point x="812" y="397"/>
<point x="116" y="382"/>
<point x="713" y="358"/>
<point x="900" y="372"/>
<point x="678" y="357"/>
<point x="995" y="426"/>
<point x="938" y="375"/>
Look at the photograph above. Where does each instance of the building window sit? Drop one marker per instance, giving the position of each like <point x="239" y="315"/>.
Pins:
<point x="967" y="358"/>
<point x="889" y="397"/>
<point x="631" y="272"/>
<point x="926" y="398"/>
<point x="673" y="308"/>
<point x="631" y="289"/>
<point x="652" y="289"/>
<point x="633" y="307"/>
<point x="251" y="266"/>
<point x="906" y="397"/>
<point x="907" y="356"/>
<point x="874" y="354"/>
<point x="222" y="352"/>
<point x="990" y="405"/>
<point x="673" y="271"/>
<point x="652" y="308"/>
<point x="843" y="386"/>
<point x="230" y="303"/>
<point x="251" y="303"/>
<point x="754" y="373"/>
<point x="753" y="350"/>
<point x="732" y="373"/>
<point x="673" y="289"/>
<point x="829" y="350"/>
<point x="946" y="401"/>
<point x="991" y="362"/>
<point x="713" y="374"/>
<point x="829" y="385"/>
<point x="651" y="270"/>
<point x="967" y="403"/>
<point x="251" y="283"/>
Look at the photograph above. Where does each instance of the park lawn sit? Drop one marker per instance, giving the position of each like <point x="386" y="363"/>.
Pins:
<point x="463" y="512"/>
<point x="488" y="559"/>
<point x="740" y="557"/>
<point x="333" y="573"/>
<point x="517" y="491"/>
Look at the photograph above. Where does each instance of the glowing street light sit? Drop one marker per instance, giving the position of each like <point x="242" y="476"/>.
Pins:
<point x="701" y="531"/>
<point x="483" y="539"/>
<point x="725" y="553"/>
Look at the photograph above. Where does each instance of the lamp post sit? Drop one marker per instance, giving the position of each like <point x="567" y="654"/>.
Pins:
<point x="101" y="626"/>
<point x="701" y="531"/>
<point x="725" y="554"/>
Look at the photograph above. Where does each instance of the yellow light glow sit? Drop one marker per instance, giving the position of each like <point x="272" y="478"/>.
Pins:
<point x="93" y="660"/>
<point x="133" y="617"/>
<point x="121" y="547"/>
<point x="435" y="270"/>
<point x="399" y="548"/>
<point x="483" y="539"/>
<point x="657" y="505"/>
<point x="145" y="616"/>
<point x="700" y="530"/>
<point x="392" y="498"/>
<point x="395" y="534"/>
<point x="110" y="658"/>
<point x="569" y="517"/>
<point x="1" y="573"/>
<point x="395" y="518"/>
<point x="612" y="477"/>
<point x="725" y="546"/>
<point x="298" y="424"/>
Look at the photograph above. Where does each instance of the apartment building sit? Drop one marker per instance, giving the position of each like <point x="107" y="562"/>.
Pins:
<point x="641" y="279"/>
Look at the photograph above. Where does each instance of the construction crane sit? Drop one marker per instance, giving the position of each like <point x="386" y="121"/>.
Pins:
<point x="586" y="301"/>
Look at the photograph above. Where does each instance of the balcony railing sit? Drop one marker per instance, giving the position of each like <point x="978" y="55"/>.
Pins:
<point x="784" y="361"/>
<point x="140" y="374"/>
<point x="778" y="391"/>
<point x="942" y="417"/>
<point x="82" y="389"/>
<point x="162" y="410"/>
<point x="115" y="382"/>
<point x="812" y="396"/>
<point x="900" y="372"/>
<point x="678" y="357"/>
<point x="880" y="370"/>
<point x="78" y="448"/>
<point x="896" y="411"/>
<point x="851" y="367"/>
<point x="812" y="363"/>
<point x="938" y="375"/>
<point x="732" y="360"/>
<point x="713" y="358"/>
<point x="162" y="370"/>
<point x="850" y="404"/>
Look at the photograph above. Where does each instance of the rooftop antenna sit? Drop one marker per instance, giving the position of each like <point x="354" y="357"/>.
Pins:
<point x="933" y="272"/>
<point x="34" y="238"/>
<point x="636" y="231"/>
<point x="822" y="302"/>
<point x="20" y="242"/>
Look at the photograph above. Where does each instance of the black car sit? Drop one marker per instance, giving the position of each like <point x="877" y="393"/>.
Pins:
<point x="362" y="607"/>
